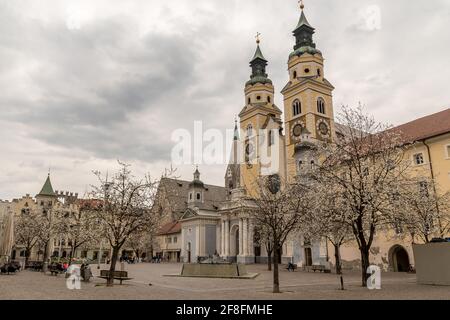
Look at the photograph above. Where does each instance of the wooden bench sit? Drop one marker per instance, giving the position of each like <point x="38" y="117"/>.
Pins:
<point x="320" y="268"/>
<point x="118" y="275"/>
<point x="292" y="267"/>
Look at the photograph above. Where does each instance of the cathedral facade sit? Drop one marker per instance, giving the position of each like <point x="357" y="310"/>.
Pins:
<point x="216" y="221"/>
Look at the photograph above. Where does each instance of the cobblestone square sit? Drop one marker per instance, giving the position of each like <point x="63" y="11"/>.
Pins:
<point x="295" y="285"/>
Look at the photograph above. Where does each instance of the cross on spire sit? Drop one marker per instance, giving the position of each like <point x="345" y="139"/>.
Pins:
<point x="258" y="40"/>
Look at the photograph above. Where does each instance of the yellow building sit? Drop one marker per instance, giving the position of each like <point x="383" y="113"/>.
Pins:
<point x="308" y="119"/>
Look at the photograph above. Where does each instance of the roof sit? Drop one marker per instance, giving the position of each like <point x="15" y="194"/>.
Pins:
<point x="47" y="189"/>
<point x="170" y="228"/>
<point x="178" y="190"/>
<point x="426" y="127"/>
<point x="303" y="22"/>
<point x="258" y="54"/>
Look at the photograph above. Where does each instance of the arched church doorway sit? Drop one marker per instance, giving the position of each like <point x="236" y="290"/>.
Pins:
<point x="399" y="259"/>
<point x="308" y="257"/>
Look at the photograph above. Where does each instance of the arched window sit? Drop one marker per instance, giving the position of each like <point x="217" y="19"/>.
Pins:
<point x="295" y="74"/>
<point x="249" y="100"/>
<point x="300" y="165"/>
<point x="249" y="130"/>
<point x="320" y="106"/>
<point x="268" y="99"/>
<point x="271" y="138"/>
<point x="296" y="108"/>
<point x="198" y="196"/>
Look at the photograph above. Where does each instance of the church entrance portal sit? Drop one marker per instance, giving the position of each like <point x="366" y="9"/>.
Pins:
<point x="399" y="260"/>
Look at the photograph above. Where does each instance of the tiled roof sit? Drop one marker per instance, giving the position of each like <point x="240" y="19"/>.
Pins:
<point x="426" y="127"/>
<point x="177" y="194"/>
<point x="170" y="228"/>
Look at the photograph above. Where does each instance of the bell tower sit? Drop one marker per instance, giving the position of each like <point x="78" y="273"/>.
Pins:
<point x="308" y="101"/>
<point x="259" y="111"/>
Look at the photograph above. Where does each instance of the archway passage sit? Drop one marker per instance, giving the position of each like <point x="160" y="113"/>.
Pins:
<point x="399" y="259"/>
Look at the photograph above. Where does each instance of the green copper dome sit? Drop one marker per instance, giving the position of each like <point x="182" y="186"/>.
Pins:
<point x="258" y="65"/>
<point x="302" y="50"/>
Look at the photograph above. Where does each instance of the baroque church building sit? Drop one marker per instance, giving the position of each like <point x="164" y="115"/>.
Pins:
<point x="215" y="221"/>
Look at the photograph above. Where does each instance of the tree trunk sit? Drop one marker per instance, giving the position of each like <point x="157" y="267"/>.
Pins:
<point x="269" y="260"/>
<point x="45" y="257"/>
<point x="71" y="255"/>
<point x="27" y="256"/>
<point x="337" y="256"/>
<point x="365" y="264"/>
<point x="276" y="279"/>
<point x="112" y="268"/>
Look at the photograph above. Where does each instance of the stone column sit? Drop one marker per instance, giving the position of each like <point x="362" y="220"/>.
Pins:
<point x="245" y="236"/>
<point x="251" y="235"/>
<point x="222" y="238"/>
<point x="227" y="238"/>
<point x="241" y="238"/>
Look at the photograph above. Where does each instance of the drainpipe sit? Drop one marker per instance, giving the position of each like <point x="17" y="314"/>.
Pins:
<point x="434" y="186"/>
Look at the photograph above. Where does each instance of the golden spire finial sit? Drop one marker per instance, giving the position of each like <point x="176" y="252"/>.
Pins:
<point x="302" y="6"/>
<point x="258" y="40"/>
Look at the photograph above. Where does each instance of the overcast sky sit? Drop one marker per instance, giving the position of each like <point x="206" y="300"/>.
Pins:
<point x="86" y="82"/>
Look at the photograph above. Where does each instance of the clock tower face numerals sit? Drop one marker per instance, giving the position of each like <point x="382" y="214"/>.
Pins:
<point x="323" y="129"/>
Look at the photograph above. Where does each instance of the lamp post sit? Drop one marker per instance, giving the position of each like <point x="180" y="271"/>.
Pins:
<point x="106" y="187"/>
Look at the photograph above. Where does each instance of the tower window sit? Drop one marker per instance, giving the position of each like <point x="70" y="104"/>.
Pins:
<point x="300" y="164"/>
<point x="319" y="73"/>
<point x="190" y="196"/>
<point x="320" y="106"/>
<point x="295" y="74"/>
<point x="258" y="98"/>
<point x="198" y="196"/>
<point x="296" y="108"/>
<point x="249" y="130"/>
<point x="307" y="70"/>
<point x="268" y="99"/>
<point x="249" y="100"/>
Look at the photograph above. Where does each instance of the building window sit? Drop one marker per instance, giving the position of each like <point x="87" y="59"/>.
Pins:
<point x="169" y="240"/>
<point x="318" y="72"/>
<point x="418" y="159"/>
<point x="312" y="164"/>
<point x="175" y="239"/>
<point x="271" y="138"/>
<point x="198" y="196"/>
<point x="190" y="196"/>
<point x="448" y="151"/>
<point x="423" y="188"/>
<point x="300" y="164"/>
<point x="296" y="108"/>
<point x="258" y="98"/>
<point x="321" y="106"/>
<point x="249" y="100"/>
<point x="249" y="130"/>
<point x="268" y="99"/>
<point x="295" y="74"/>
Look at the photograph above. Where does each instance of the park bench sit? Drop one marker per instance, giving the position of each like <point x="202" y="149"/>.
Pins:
<point x="118" y="275"/>
<point x="56" y="269"/>
<point x="9" y="268"/>
<point x="292" y="267"/>
<point x="319" y="268"/>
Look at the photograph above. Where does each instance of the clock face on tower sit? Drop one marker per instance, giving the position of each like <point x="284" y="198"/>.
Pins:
<point x="297" y="131"/>
<point x="323" y="129"/>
